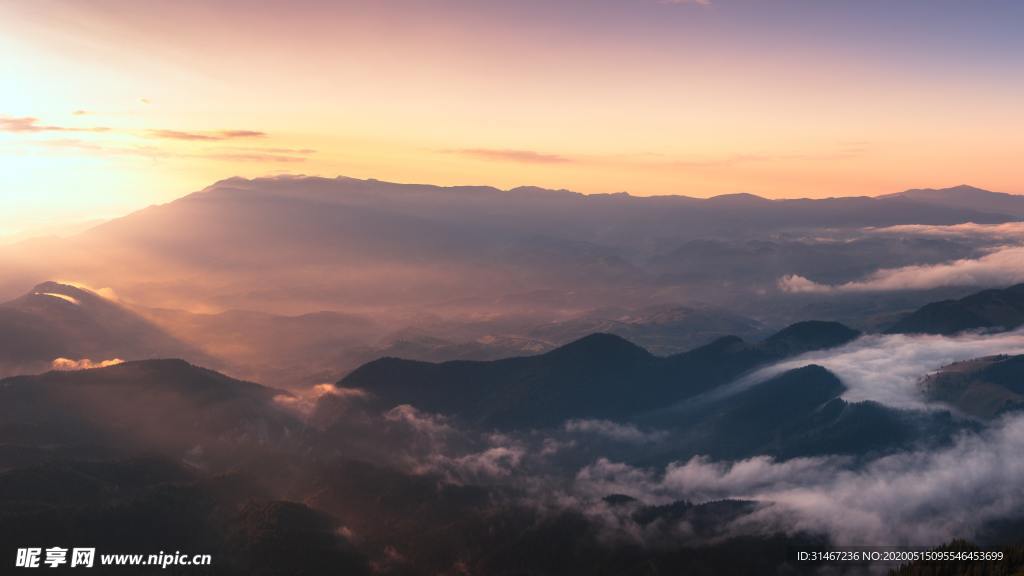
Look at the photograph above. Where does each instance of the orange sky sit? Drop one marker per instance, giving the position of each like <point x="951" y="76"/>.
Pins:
<point x="111" y="105"/>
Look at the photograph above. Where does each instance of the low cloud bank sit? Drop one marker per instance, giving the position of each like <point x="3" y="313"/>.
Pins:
<point x="1001" y="267"/>
<point x="887" y="368"/>
<point x="83" y="364"/>
<point x="1006" y="231"/>
<point x="911" y="498"/>
<point x="614" y="431"/>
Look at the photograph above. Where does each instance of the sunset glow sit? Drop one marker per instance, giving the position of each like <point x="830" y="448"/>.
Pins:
<point x="112" y="105"/>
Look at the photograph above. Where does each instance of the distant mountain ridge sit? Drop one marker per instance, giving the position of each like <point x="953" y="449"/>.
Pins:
<point x="969" y="197"/>
<point x="458" y="245"/>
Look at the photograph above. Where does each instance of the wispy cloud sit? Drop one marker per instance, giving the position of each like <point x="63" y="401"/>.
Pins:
<point x="253" y="157"/>
<point x="1000" y="267"/>
<point x="276" y="155"/>
<point x="67" y="364"/>
<point x="685" y="2"/>
<point x="969" y="230"/>
<point x="30" y="124"/>
<point x="614" y="431"/>
<point x="888" y="368"/>
<point x="205" y="136"/>
<point x="909" y="498"/>
<point x="522" y="156"/>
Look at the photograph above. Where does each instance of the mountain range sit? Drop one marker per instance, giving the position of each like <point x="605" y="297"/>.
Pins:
<point x="230" y="245"/>
<point x="296" y="373"/>
<point x="599" y="376"/>
<point x="411" y="466"/>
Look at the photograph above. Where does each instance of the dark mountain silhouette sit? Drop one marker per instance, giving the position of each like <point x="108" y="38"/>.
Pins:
<point x="967" y="197"/>
<point x="599" y="376"/>
<point x="56" y="320"/>
<point x="662" y="330"/>
<point x="997" y="309"/>
<point x="808" y="335"/>
<point x="145" y="506"/>
<point x="984" y="388"/>
<point x="155" y="406"/>
<point x="1010" y="561"/>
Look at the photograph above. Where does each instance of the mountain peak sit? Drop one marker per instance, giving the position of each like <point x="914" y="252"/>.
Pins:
<point x="967" y="188"/>
<point x="601" y="345"/>
<point x="68" y="292"/>
<point x="738" y="198"/>
<point x="992" y="309"/>
<point x="811" y="335"/>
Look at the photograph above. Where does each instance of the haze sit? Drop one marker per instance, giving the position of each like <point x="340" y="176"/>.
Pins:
<point x="114" y="105"/>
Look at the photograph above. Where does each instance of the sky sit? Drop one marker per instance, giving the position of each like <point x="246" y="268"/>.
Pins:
<point x="108" y="106"/>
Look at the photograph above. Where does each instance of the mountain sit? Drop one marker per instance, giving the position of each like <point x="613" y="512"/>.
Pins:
<point x="663" y="330"/>
<point x="997" y="309"/>
<point x="599" y="376"/>
<point x="287" y="244"/>
<point x="801" y="413"/>
<point x="984" y="388"/>
<point x="60" y="320"/>
<point x="966" y="197"/>
<point x="165" y="407"/>
<point x="148" y="505"/>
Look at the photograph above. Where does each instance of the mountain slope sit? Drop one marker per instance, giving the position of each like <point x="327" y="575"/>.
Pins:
<point x="230" y="245"/>
<point x="599" y="376"/>
<point x="999" y="309"/>
<point x="56" y="320"/>
<point x="967" y="197"/>
<point x="801" y="413"/>
<point x="155" y="406"/>
<point x="984" y="388"/>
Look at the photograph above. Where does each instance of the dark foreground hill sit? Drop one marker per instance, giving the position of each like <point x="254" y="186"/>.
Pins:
<point x="984" y="388"/>
<point x="166" y="407"/>
<point x="997" y="309"/>
<point x="600" y="376"/>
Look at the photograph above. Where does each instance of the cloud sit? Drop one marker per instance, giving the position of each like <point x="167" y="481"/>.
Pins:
<point x="1002" y="266"/>
<point x="886" y="368"/>
<point x="521" y="156"/>
<point x="282" y="155"/>
<point x="205" y="136"/>
<point x="614" y="431"/>
<point x="29" y="124"/>
<point x="496" y="462"/>
<point x="969" y="230"/>
<point x="305" y="401"/>
<point x="105" y="292"/>
<point x="701" y="479"/>
<point x="910" y="498"/>
<point x="83" y="364"/>
<point x="431" y="425"/>
<point x="430" y="444"/>
<point x="685" y="2"/>
<point x="253" y="157"/>
<point x="63" y="297"/>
